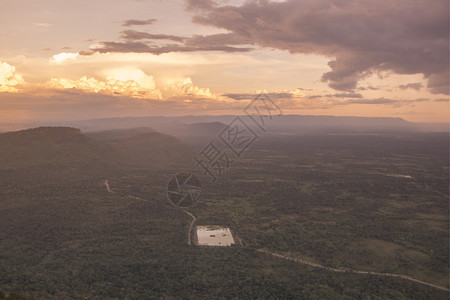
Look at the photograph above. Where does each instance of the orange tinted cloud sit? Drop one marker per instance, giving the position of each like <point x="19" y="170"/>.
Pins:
<point x="9" y="79"/>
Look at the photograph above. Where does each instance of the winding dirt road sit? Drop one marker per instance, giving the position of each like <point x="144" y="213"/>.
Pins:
<point x="106" y="182"/>
<point x="190" y="226"/>
<point x="107" y="185"/>
<point x="311" y="264"/>
<point x="352" y="271"/>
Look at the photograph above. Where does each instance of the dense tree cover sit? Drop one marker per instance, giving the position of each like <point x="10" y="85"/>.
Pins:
<point x="12" y="296"/>
<point x="336" y="200"/>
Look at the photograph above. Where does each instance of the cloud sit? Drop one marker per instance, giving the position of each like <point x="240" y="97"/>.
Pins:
<point x="415" y="86"/>
<point x="360" y="37"/>
<point x="63" y="104"/>
<point x="138" y="35"/>
<point x="442" y="100"/>
<point x="385" y="101"/>
<point x="339" y="95"/>
<point x="134" y="83"/>
<point x="251" y="96"/>
<point x="333" y="100"/>
<point x="61" y="57"/>
<point x="227" y="39"/>
<point x="287" y="99"/>
<point x="373" y="101"/>
<point x="220" y="39"/>
<point x="9" y="79"/>
<point x="138" y="85"/>
<point x="184" y="87"/>
<point x="139" y="47"/>
<point x="132" y="22"/>
<point x="43" y="24"/>
<point x="200" y="4"/>
<point x="54" y="104"/>
<point x="121" y="82"/>
<point x="348" y="95"/>
<point x="372" y="88"/>
<point x="439" y="83"/>
<point x="143" y="42"/>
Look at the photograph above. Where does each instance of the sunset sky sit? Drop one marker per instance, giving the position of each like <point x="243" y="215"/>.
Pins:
<point x="71" y="60"/>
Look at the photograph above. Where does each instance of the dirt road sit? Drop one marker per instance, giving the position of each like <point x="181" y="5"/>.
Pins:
<point x="352" y="271"/>
<point x="190" y="226"/>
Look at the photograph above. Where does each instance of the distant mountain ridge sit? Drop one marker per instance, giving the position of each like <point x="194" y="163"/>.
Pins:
<point x="45" y="145"/>
<point x="68" y="147"/>
<point x="57" y="131"/>
<point x="117" y="134"/>
<point x="284" y="123"/>
<point x="181" y="126"/>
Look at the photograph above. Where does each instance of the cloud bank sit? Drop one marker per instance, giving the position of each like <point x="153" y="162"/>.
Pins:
<point x="362" y="37"/>
<point x="133" y="22"/>
<point x="9" y="78"/>
<point x="143" y="42"/>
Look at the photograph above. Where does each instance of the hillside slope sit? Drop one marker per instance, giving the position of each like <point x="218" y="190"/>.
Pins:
<point x="61" y="154"/>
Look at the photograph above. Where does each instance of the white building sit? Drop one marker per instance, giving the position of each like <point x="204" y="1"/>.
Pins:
<point x="214" y="236"/>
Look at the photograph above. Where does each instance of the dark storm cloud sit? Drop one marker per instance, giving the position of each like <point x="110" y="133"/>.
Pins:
<point x="128" y="23"/>
<point x="361" y="37"/>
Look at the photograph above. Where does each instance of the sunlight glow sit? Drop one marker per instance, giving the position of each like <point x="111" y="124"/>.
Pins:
<point x="61" y="57"/>
<point x="9" y="78"/>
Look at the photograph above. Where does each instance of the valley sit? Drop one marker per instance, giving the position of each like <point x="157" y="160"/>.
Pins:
<point x="324" y="199"/>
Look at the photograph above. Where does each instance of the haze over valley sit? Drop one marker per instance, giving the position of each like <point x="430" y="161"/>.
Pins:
<point x="212" y="149"/>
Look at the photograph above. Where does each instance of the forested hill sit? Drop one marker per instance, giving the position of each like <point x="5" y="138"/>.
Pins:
<point x="67" y="150"/>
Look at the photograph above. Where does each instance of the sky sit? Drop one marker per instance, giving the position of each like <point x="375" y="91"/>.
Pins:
<point x="76" y="60"/>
